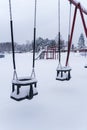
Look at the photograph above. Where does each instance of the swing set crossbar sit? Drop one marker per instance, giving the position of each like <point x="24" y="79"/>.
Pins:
<point x="75" y="3"/>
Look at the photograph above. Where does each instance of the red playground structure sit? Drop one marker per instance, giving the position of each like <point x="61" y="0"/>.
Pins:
<point x="79" y="7"/>
<point x="51" y="53"/>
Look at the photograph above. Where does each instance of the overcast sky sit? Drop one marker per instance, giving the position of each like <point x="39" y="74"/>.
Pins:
<point x="47" y="21"/>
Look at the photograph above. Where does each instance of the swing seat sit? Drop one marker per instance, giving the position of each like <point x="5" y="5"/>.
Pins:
<point x="85" y="66"/>
<point x="27" y="92"/>
<point x="63" y="73"/>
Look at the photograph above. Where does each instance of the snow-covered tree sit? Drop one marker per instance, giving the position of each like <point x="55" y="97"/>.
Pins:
<point x="81" y="41"/>
<point x="61" y="41"/>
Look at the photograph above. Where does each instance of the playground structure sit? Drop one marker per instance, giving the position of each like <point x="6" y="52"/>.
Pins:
<point x="82" y="11"/>
<point x="48" y="53"/>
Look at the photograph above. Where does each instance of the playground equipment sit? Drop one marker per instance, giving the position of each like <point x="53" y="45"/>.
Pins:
<point x="40" y="54"/>
<point x="17" y="83"/>
<point x="63" y="73"/>
<point x="51" y="53"/>
<point x="47" y="53"/>
<point x="82" y="11"/>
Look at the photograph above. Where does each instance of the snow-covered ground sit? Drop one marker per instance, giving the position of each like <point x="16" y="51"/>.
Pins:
<point x="58" y="106"/>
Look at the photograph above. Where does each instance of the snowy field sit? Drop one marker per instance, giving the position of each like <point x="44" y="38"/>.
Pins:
<point x="58" y="106"/>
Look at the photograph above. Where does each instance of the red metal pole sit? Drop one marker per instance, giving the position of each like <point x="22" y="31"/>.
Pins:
<point x="70" y="40"/>
<point x="47" y="53"/>
<point x="83" y="20"/>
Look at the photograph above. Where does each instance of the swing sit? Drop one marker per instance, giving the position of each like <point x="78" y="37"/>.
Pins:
<point x="18" y="91"/>
<point x="85" y="66"/>
<point x="81" y="10"/>
<point x="63" y="73"/>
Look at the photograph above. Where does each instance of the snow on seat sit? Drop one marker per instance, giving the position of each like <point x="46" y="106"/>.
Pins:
<point x="24" y="81"/>
<point x="65" y="68"/>
<point x="63" y="73"/>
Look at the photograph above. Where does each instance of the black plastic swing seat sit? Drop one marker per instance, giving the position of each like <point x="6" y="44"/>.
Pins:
<point x="20" y="93"/>
<point x="24" y="94"/>
<point x="85" y="66"/>
<point x="63" y="73"/>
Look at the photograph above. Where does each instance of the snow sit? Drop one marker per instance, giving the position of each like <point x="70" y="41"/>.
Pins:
<point x="27" y="80"/>
<point x="58" y="105"/>
<point x="64" y="68"/>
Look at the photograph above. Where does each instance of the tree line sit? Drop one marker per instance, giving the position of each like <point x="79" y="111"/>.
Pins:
<point x="40" y="44"/>
<point x="7" y="47"/>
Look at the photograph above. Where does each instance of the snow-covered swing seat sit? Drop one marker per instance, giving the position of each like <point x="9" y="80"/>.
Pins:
<point x="29" y="90"/>
<point x="24" y="87"/>
<point x="63" y="73"/>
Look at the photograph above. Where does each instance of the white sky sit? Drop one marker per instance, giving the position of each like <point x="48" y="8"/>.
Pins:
<point x="47" y="24"/>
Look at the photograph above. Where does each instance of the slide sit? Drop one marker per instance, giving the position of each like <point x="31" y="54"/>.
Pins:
<point x="40" y="54"/>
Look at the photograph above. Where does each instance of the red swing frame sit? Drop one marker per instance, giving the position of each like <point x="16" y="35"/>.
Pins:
<point x="82" y="11"/>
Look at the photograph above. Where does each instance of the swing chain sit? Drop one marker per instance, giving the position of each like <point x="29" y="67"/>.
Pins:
<point x="33" y="73"/>
<point x="15" y="77"/>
